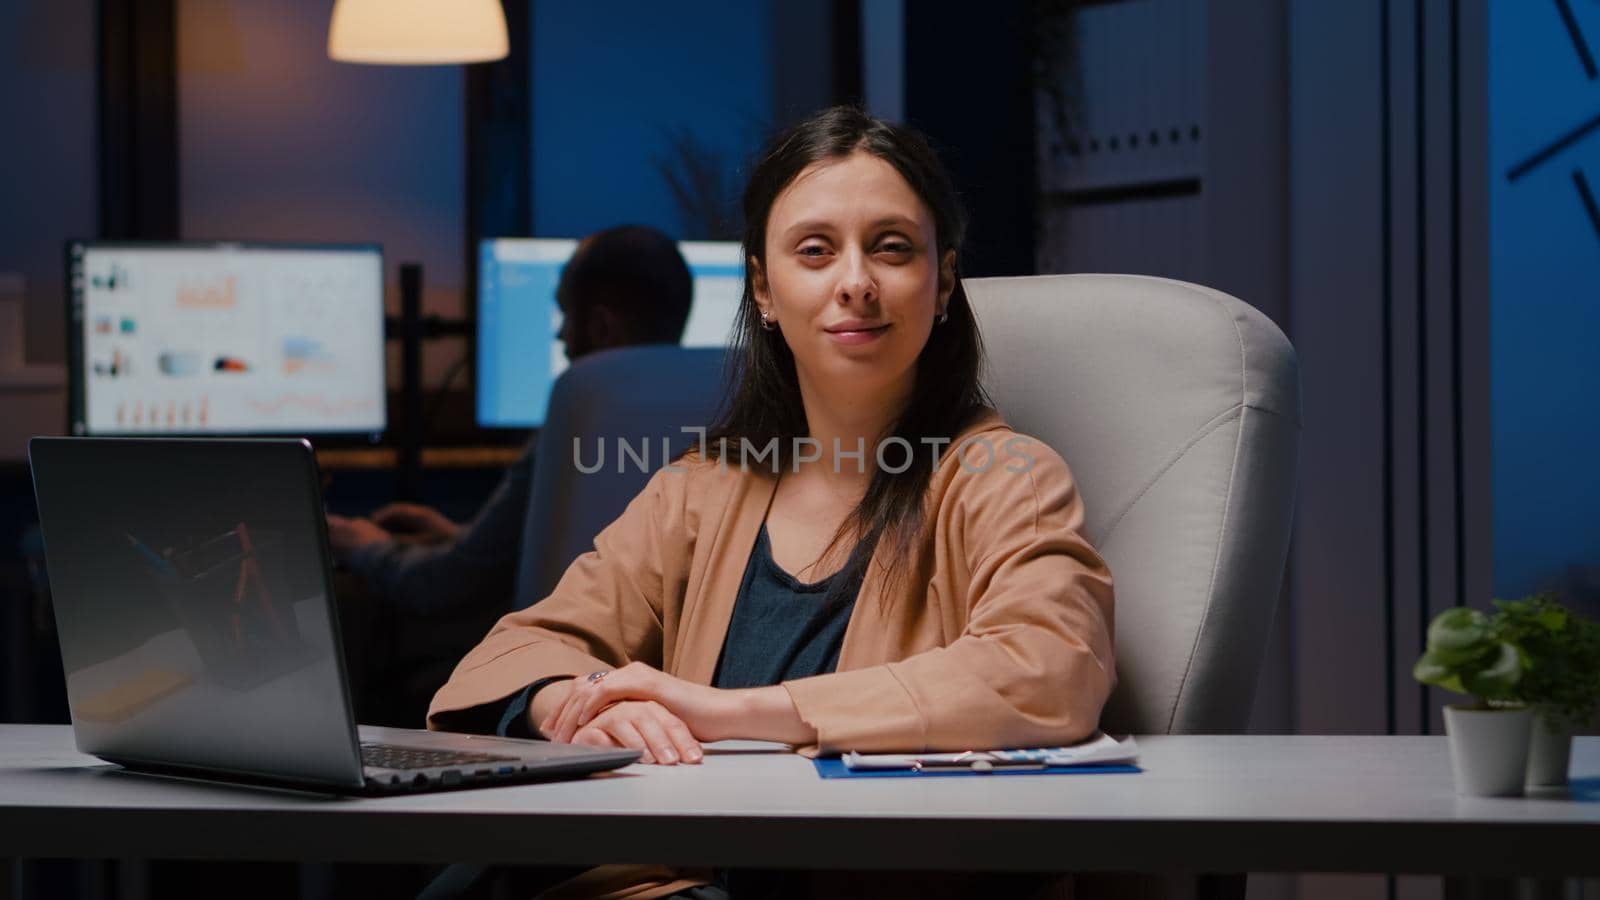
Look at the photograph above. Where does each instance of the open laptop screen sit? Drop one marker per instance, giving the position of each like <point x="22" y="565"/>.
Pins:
<point x="189" y="580"/>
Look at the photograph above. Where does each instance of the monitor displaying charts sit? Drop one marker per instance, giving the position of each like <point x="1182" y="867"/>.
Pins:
<point x="519" y="355"/>
<point x="225" y="338"/>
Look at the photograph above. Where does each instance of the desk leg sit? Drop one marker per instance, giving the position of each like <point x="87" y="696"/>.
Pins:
<point x="1134" y="886"/>
<point x="1213" y="886"/>
<point x="26" y="879"/>
<point x="1465" y="888"/>
<point x="316" y="881"/>
<point x="132" y="879"/>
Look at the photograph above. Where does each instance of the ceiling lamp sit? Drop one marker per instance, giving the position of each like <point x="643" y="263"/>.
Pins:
<point x="417" y="32"/>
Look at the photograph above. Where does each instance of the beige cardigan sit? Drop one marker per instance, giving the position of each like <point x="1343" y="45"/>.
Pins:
<point x="1000" y="637"/>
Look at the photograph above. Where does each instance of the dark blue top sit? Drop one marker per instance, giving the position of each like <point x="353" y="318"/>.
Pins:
<point x="782" y="628"/>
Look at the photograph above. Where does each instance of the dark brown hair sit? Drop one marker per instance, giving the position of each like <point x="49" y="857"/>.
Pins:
<point x="764" y="402"/>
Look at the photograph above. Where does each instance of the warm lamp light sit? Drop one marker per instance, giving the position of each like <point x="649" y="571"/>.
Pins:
<point x="417" y="32"/>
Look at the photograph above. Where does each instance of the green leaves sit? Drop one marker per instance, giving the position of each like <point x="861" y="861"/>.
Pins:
<point x="1457" y="628"/>
<point x="1467" y="655"/>
<point x="1533" y="650"/>
<point x="1562" y="652"/>
<point x="1458" y="635"/>
<point x="1499" y="679"/>
<point x="1430" y="669"/>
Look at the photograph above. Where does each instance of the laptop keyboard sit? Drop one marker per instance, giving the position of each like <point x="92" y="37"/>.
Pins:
<point x="398" y="756"/>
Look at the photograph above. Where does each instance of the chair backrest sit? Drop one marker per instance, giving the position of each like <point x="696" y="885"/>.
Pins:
<point x="640" y="397"/>
<point x="1178" y="409"/>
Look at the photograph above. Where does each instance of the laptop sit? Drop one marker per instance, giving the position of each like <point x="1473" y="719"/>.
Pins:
<point x="194" y="601"/>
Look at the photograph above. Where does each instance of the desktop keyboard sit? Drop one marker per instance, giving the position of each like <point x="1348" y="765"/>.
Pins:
<point x="398" y="756"/>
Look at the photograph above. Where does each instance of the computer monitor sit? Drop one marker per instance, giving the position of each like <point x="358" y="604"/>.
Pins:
<point x="519" y="356"/>
<point x="225" y="338"/>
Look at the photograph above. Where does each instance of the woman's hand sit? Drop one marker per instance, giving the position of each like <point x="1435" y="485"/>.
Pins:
<point x="643" y="725"/>
<point x="706" y="711"/>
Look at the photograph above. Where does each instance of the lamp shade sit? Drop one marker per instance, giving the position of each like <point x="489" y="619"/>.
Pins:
<point x="417" y="32"/>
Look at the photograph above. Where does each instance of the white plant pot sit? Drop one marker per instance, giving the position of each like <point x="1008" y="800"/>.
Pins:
<point x="1549" y="752"/>
<point x="1489" y="749"/>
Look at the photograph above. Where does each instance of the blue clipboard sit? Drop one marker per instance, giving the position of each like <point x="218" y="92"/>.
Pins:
<point x="835" y="768"/>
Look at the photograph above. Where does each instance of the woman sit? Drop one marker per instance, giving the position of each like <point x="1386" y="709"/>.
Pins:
<point x="862" y="556"/>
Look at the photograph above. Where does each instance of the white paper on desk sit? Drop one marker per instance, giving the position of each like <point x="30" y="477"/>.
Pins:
<point x="1100" y="750"/>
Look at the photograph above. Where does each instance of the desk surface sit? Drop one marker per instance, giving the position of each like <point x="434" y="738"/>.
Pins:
<point x="1245" y="803"/>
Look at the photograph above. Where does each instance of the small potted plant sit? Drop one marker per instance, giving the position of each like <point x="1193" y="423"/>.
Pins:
<point x="1469" y="653"/>
<point x="1560" y="681"/>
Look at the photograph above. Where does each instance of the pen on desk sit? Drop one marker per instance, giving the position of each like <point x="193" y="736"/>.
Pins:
<point x="982" y="764"/>
<point x="985" y="766"/>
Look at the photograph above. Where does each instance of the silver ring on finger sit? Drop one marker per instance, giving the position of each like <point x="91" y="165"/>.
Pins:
<point x="595" y="677"/>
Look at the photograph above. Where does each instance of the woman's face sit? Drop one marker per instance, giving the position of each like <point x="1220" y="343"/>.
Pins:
<point x="853" y="278"/>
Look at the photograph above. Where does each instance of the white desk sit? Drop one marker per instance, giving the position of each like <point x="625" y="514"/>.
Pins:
<point x="1212" y="804"/>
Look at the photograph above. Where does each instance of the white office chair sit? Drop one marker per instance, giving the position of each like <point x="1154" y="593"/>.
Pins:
<point x="1177" y="406"/>
<point x="1178" y="409"/>
<point x="640" y="395"/>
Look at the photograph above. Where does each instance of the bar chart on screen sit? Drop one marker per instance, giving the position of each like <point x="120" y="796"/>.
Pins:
<point x="227" y="339"/>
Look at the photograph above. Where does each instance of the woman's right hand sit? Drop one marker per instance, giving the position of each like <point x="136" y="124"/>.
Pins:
<point x="643" y="725"/>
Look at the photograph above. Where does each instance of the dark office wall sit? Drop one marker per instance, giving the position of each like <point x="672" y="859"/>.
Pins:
<point x="1388" y="301"/>
<point x="1124" y="148"/>
<point x="1337" y="284"/>
<point x="968" y="86"/>
<point x="1325" y="163"/>
<point x="1246" y="152"/>
<point x="1390" y="307"/>
<point x="47" y="154"/>
<point x="278" y="142"/>
<point x="626" y="91"/>
<point x="1170" y="159"/>
<point x="801" y="58"/>
<point x="47" y="195"/>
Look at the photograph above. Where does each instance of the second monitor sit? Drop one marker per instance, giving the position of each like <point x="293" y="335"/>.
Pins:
<point x="221" y="338"/>
<point x="519" y="355"/>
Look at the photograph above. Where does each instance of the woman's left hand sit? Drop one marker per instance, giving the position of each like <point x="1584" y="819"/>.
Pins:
<point x="707" y="711"/>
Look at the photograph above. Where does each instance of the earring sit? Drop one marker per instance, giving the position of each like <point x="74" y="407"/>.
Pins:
<point x="942" y="318"/>
<point x="767" y="324"/>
